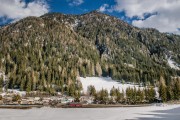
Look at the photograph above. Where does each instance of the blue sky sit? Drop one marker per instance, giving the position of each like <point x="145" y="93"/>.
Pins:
<point x="163" y="15"/>
<point x="65" y="6"/>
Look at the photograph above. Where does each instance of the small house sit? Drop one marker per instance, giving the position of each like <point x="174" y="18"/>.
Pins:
<point x="87" y="99"/>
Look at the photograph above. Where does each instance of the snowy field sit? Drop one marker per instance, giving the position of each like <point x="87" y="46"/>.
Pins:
<point x="169" y="112"/>
<point x="103" y="82"/>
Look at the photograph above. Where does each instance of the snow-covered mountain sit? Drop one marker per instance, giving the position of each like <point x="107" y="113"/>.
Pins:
<point x="38" y="52"/>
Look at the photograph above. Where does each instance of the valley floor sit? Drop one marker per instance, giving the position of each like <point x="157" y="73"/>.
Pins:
<point x="165" y="112"/>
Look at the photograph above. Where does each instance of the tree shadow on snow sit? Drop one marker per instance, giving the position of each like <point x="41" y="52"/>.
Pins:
<point x="172" y="114"/>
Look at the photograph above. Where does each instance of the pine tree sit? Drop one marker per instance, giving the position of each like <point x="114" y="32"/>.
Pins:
<point x="49" y="76"/>
<point x="62" y="85"/>
<point x="120" y="96"/>
<point x="91" y="90"/>
<point x="170" y="94"/>
<point x="140" y="95"/>
<point x="1" y="83"/>
<point x="23" y="81"/>
<point x="113" y="92"/>
<point x="16" y="98"/>
<point x="150" y="94"/>
<point x="29" y="83"/>
<point x="103" y="96"/>
<point x="77" y="95"/>
<point x="1" y="97"/>
<point x="98" y="69"/>
<point x="162" y="90"/>
<point x="134" y="95"/>
<point x="92" y="69"/>
<point x="176" y="89"/>
<point x="129" y="95"/>
<point x="71" y="90"/>
<point x="82" y="71"/>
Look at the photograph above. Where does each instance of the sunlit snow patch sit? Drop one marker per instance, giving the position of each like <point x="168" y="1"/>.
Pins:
<point x="104" y="82"/>
<point x="173" y="64"/>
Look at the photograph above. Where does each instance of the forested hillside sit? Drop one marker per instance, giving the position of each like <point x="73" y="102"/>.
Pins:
<point x="47" y="53"/>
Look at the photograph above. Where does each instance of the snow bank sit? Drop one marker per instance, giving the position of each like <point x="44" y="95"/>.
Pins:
<point x="104" y="82"/>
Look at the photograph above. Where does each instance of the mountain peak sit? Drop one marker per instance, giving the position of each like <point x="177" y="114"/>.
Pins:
<point x="95" y="12"/>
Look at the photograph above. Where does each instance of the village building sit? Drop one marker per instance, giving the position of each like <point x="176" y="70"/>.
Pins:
<point x="65" y="100"/>
<point x="86" y="99"/>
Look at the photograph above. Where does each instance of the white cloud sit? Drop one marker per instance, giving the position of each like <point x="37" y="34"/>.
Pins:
<point x="103" y="8"/>
<point x="167" y="17"/>
<point x="18" y="9"/>
<point x="75" y="2"/>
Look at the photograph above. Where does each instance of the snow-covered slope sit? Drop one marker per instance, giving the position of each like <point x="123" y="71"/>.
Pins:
<point x="103" y="82"/>
<point x="172" y="64"/>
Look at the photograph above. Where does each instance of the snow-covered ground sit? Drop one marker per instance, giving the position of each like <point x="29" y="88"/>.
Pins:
<point x="15" y="91"/>
<point x="173" y="64"/>
<point x="169" y="112"/>
<point x="103" y="82"/>
<point x="75" y="24"/>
